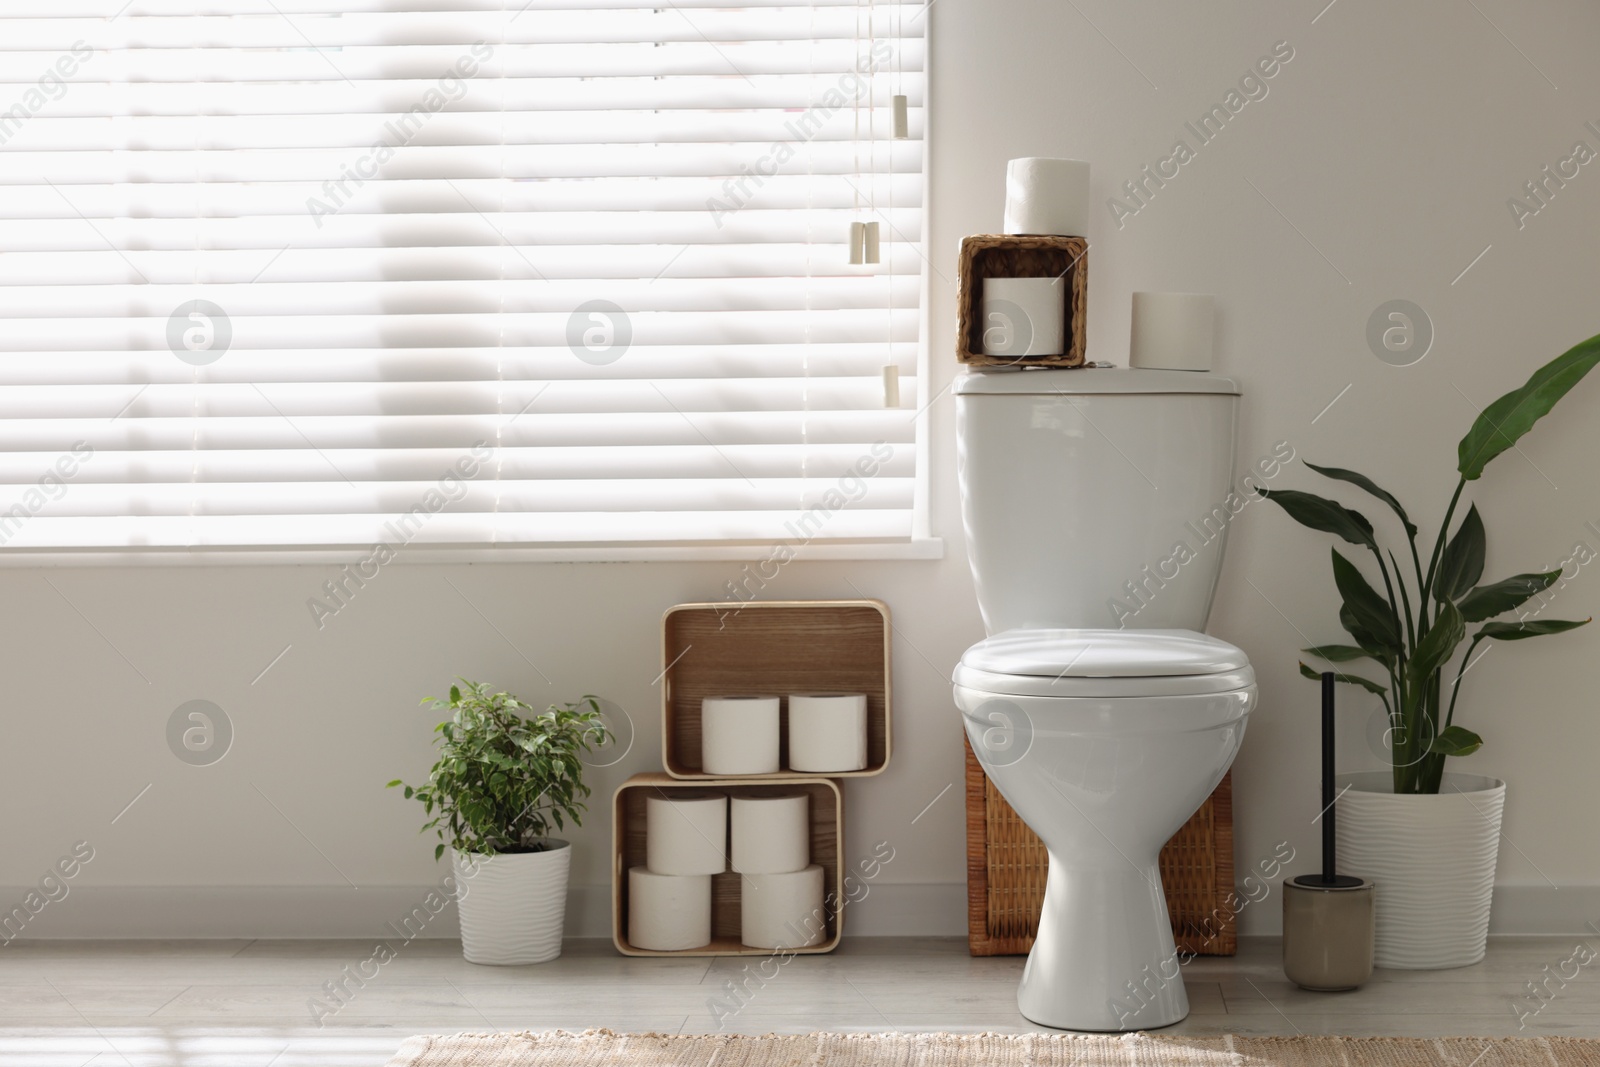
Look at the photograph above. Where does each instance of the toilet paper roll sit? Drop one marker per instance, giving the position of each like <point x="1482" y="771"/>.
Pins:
<point x="827" y="732"/>
<point x="771" y="835"/>
<point x="1047" y="196"/>
<point x="739" y="735"/>
<point x="686" y="833"/>
<point x="668" y="912"/>
<point x="1024" y="316"/>
<point x="782" y="910"/>
<point x="1172" y="331"/>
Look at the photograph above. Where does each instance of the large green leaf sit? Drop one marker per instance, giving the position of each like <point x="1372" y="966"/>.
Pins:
<point x="1371" y="612"/>
<point x="1369" y="642"/>
<point x="1438" y="645"/>
<point x="1342" y="475"/>
<point x="1349" y="679"/>
<point x="1456" y="741"/>
<point x="1462" y="563"/>
<point x="1337" y="653"/>
<point x="1487" y="601"/>
<point x="1323" y="514"/>
<point x="1503" y="422"/>
<point x="1518" y="631"/>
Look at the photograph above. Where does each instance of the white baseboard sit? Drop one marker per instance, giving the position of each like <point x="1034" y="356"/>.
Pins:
<point x="162" y="912"/>
<point x="888" y="910"/>
<point x="1531" y="910"/>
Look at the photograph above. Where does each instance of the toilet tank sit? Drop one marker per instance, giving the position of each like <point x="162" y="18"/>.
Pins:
<point x="1096" y="497"/>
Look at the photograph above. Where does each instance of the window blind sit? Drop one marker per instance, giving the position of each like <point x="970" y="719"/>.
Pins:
<point x="330" y="272"/>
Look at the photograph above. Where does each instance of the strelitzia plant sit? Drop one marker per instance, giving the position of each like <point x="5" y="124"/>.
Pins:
<point x="1413" y="632"/>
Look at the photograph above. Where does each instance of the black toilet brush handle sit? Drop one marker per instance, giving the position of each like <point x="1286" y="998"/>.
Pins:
<point x="1329" y="871"/>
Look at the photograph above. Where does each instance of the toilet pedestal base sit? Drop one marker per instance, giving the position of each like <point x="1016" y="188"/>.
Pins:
<point x="1104" y="958"/>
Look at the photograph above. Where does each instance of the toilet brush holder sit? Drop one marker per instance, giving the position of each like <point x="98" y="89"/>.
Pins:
<point x="1329" y="919"/>
<point x="1328" y="932"/>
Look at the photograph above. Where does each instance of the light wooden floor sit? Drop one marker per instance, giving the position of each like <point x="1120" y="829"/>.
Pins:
<point x="247" y="1004"/>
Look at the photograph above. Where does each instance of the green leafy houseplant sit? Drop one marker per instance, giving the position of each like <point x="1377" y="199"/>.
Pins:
<point x="1414" y="638"/>
<point x="504" y="777"/>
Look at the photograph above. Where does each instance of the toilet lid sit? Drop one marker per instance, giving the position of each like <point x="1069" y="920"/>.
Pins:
<point x="1103" y="663"/>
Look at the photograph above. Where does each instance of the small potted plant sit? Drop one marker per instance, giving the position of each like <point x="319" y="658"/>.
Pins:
<point x="1426" y="837"/>
<point x="507" y="776"/>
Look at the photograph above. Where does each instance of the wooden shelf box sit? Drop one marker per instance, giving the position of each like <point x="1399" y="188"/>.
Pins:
<point x="1010" y="256"/>
<point x="628" y="850"/>
<point x="773" y="648"/>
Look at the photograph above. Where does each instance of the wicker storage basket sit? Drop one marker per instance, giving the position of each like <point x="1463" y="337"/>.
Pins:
<point x="1008" y="256"/>
<point x="1007" y="864"/>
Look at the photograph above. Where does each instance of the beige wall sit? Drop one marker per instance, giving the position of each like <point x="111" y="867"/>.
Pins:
<point x="1387" y="147"/>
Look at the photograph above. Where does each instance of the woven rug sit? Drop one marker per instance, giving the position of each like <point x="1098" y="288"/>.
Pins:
<point x="603" y="1047"/>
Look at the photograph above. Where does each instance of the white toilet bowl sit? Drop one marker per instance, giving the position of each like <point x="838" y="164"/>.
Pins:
<point x="1105" y="742"/>
<point x="1096" y="498"/>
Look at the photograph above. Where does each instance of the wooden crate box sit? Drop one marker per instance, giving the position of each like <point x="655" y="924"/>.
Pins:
<point x="773" y="648"/>
<point x="628" y="850"/>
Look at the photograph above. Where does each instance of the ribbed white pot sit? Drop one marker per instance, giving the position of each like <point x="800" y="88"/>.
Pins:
<point x="513" y="905"/>
<point x="1431" y="858"/>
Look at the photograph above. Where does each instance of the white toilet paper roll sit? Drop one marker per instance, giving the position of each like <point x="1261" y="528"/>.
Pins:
<point x="1024" y="316"/>
<point x="827" y="732"/>
<point x="686" y="833"/>
<point x="1047" y="196"/>
<point x="771" y="835"/>
<point x="739" y="735"/>
<point x="782" y="910"/>
<point x="668" y="912"/>
<point x="1172" y="331"/>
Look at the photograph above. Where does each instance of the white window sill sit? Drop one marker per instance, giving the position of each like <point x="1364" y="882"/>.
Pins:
<point x="921" y="548"/>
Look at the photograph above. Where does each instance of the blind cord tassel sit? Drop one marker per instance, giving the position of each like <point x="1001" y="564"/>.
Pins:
<point x="891" y="386"/>
<point x="864" y="243"/>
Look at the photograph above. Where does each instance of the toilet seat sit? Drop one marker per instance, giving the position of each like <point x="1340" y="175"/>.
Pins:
<point x="1103" y="663"/>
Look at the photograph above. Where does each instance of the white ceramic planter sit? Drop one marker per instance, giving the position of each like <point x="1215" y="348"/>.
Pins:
<point x="513" y="905"/>
<point x="1432" y="859"/>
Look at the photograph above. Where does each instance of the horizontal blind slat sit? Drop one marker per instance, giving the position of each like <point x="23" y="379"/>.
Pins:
<point x="111" y="432"/>
<point x="25" y="9"/>
<point x="95" y="98"/>
<point x="94" y="371"/>
<point x="260" y="198"/>
<point x="692" y="57"/>
<point x="524" y="230"/>
<point x="446" y="528"/>
<point x="355" y="29"/>
<point x="20" y="471"/>
<point x="600" y="263"/>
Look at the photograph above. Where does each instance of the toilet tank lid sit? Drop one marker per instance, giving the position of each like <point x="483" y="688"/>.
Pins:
<point x="1087" y="381"/>
<point x="1104" y="654"/>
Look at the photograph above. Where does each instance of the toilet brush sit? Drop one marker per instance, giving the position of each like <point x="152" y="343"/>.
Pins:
<point x="1328" y="918"/>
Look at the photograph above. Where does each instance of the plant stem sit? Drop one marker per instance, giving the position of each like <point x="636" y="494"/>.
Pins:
<point x="1455" y="688"/>
<point x="1430" y="772"/>
<point x="1397" y="734"/>
<point x="1405" y="600"/>
<point x="1393" y="606"/>
<point x="1416" y="565"/>
<point x="1438" y="545"/>
<point x="1432" y="763"/>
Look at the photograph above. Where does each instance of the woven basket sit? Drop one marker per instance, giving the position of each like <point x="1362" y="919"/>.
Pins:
<point x="1007" y="864"/>
<point x="1009" y="256"/>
